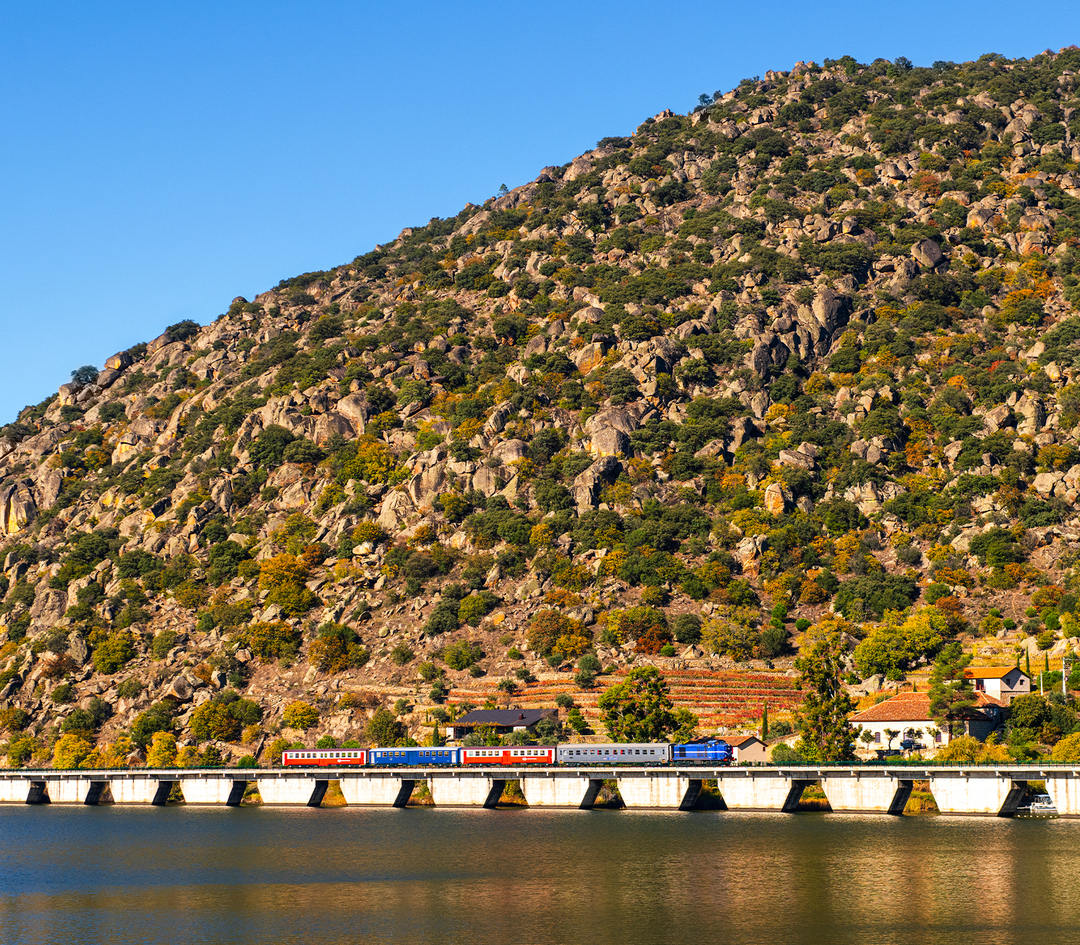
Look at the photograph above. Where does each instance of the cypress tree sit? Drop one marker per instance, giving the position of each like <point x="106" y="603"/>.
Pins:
<point x="765" y="722"/>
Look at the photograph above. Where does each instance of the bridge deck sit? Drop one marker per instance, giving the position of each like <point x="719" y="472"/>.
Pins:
<point x="993" y="790"/>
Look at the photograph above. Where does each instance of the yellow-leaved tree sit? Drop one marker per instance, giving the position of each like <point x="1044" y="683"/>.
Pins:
<point x="70" y="750"/>
<point x="162" y="751"/>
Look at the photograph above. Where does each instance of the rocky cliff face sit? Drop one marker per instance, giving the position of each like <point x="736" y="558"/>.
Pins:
<point x="808" y="350"/>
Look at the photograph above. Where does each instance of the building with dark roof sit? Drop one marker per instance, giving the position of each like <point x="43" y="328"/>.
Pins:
<point x="502" y="721"/>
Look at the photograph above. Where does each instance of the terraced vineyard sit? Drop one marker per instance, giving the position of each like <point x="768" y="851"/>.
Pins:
<point x="722" y="700"/>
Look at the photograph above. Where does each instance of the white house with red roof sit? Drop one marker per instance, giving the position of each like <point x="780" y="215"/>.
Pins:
<point x="1001" y="682"/>
<point x="909" y="714"/>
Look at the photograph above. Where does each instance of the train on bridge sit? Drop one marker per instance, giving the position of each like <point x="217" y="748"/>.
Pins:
<point x="713" y="752"/>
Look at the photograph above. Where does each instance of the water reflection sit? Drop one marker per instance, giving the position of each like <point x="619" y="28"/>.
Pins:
<point x="321" y="877"/>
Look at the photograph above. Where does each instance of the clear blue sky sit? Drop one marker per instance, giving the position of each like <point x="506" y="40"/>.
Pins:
<point x="160" y="159"/>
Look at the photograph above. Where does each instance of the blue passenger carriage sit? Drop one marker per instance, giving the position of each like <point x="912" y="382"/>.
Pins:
<point x="416" y="757"/>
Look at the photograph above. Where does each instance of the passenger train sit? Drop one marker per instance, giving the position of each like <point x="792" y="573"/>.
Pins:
<point x="712" y="752"/>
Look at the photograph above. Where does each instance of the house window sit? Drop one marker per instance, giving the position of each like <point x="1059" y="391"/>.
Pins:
<point x="877" y="738"/>
<point x="937" y="738"/>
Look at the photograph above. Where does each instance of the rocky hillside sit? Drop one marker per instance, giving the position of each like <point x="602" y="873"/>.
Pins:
<point x="806" y="355"/>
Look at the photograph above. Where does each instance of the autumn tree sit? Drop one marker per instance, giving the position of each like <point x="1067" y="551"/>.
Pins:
<point x="283" y="577"/>
<point x="639" y="709"/>
<point x="70" y="751"/>
<point x="969" y="750"/>
<point x="827" y="734"/>
<point x="1067" y="750"/>
<point x="212" y="720"/>
<point x="274" y="640"/>
<point x="553" y="633"/>
<point x="300" y="714"/>
<point x="162" y="751"/>
<point x="951" y="695"/>
<point x="337" y="648"/>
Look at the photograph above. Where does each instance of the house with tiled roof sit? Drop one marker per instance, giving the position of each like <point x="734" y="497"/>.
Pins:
<point x="748" y="749"/>
<point x="908" y="713"/>
<point x="1001" y="682"/>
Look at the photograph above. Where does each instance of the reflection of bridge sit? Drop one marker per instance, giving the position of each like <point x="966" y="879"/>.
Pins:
<point x="986" y="790"/>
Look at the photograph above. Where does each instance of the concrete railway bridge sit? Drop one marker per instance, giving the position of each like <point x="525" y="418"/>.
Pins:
<point x="972" y="790"/>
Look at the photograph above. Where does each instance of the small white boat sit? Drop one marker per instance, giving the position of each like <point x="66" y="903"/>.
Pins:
<point x="1040" y="805"/>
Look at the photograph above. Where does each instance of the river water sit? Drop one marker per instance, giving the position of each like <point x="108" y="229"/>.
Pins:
<point x="128" y="875"/>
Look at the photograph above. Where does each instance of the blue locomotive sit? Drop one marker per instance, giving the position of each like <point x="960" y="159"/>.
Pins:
<point x="711" y="752"/>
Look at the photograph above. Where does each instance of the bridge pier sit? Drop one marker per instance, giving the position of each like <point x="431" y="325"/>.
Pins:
<point x="848" y="791"/>
<point x="976" y="792"/>
<point x="141" y="790"/>
<point x="14" y="791"/>
<point x="752" y="789"/>
<point x="76" y="791"/>
<point x="656" y="792"/>
<point x="227" y="791"/>
<point x="294" y="792"/>
<point x="466" y="791"/>
<point x="377" y="791"/>
<point x="553" y="791"/>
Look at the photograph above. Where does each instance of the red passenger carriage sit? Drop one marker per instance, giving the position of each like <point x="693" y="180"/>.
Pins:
<point x="513" y="755"/>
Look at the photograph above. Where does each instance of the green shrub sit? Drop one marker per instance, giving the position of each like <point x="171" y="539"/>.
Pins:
<point x="163" y="642"/>
<point x="273" y="641"/>
<point x="687" y="629"/>
<point x="268" y="449"/>
<point x="129" y="689"/>
<point x="475" y="607"/>
<point x="877" y="593"/>
<point x="429" y="671"/>
<point x="158" y="718"/>
<point x="402" y="654"/>
<point x="444" y="618"/>
<point x="786" y="755"/>
<point x="384" y="730"/>
<point x="462" y="655"/>
<point x="64" y="694"/>
<point x="996" y="548"/>
<point x="114" y="652"/>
